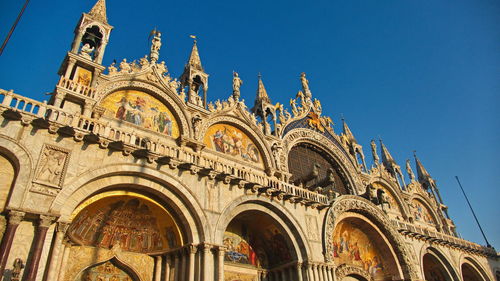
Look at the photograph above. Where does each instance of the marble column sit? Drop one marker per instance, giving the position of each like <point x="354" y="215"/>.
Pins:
<point x="69" y="68"/>
<point x="183" y="264"/>
<point x="166" y="276"/>
<point x="56" y="257"/>
<point x="220" y="263"/>
<point x="325" y="271"/>
<point x="283" y="274"/>
<point x="176" y="267"/>
<point x="158" y="266"/>
<point x="206" y="260"/>
<point x="32" y="268"/>
<point x="329" y="271"/>
<point x="15" y="219"/>
<point x="64" y="261"/>
<point x="299" y="271"/>
<point x="192" y="252"/>
<point x="310" y="276"/>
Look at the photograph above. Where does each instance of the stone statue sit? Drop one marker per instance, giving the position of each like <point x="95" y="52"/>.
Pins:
<point x="144" y="62"/>
<point x="86" y="51"/>
<point x="112" y="69"/>
<point x="155" y="46"/>
<point x="16" y="269"/>
<point x="196" y="124"/>
<point x="237" y="82"/>
<point x="409" y="170"/>
<point x="305" y="85"/>
<point x="162" y="68"/>
<point x="374" y="152"/>
<point x="125" y="66"/>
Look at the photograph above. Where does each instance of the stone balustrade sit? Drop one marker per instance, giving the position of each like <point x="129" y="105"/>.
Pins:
<point x="76" y="87"/>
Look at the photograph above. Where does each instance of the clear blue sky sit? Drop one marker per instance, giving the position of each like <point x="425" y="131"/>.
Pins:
<point x="424" y="75"/>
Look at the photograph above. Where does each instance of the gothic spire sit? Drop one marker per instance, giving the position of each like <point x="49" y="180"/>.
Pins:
<point x="194" y="59"/>
<point x="262" y="96"/>
<point x="347" y="132"/>
<point x="386" y="156"/>
<point x="422" y="173"/>
<point x="98" y="12"/>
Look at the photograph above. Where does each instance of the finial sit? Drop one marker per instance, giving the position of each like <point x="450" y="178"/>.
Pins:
<point x="98" y="12"/>
<point x="194" y="38"/>
<point x="415" y="153"/>
<point x="259" y="76"/>
<point x="342" y="117"/>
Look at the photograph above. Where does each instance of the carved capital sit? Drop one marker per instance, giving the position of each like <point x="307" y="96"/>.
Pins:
<point x="192" y="249"/>
<point x="221" y="250"/>
<point x="15" y="217"/>
<point x="62" y="227"/>
<point x="45" y="221"/>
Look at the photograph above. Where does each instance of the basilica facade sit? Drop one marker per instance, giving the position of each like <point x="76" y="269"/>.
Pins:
<point x="127" y="173"/>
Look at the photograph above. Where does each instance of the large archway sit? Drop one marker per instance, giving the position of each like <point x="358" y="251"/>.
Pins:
<point x="434" y="269"/>
<point x="358" y="243"/>
<point x="258" y="245"/>
<point x="470" y="273"/>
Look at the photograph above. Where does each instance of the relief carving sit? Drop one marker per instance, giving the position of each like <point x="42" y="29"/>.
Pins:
<point x="51" y="170"/>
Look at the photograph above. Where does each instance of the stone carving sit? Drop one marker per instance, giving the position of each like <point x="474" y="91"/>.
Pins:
<point x="52" y="166"/>
<point x="16" y="269"/>
<point x="155" y="46"/>
<point x="237" y="82"/>
<point x="350" y="203"/>
<point x="346" y="270"/>
<point x="112" y="70"/>
<point x="374" y="152"/>
<point x="305" y="85"/>
<point x="409" y="170"/>
<point x="196" y="121"/>
<point x="86" y="51"/>
<point x="125" y="66"/>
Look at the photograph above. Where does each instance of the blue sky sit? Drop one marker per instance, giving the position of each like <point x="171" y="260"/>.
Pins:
<point x="424" y="75"/>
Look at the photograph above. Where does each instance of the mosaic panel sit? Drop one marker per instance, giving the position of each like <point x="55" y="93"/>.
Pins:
<point x="141" y="109"/>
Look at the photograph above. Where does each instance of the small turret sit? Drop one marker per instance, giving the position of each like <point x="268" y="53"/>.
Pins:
<point x="429" y="183"/>
<point x="355" y="149"/>
<point x="263" y="107"/>
<point x="195" y="78"/>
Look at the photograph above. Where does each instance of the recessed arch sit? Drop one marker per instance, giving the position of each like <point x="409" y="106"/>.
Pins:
<point x="165" y="187"/>
<point x="256" y="137"/>
<point x="355" y="204"/>
<point x="396" y="196"/>
<point x="436" y="266"/>
<point x="346" y="164"/>
<point x="421" y="211"/>
<point x="112" y="269"/>
<point x="301" y="249"/>
<point x="473" y="264"/>
<point x="22" y="161"/>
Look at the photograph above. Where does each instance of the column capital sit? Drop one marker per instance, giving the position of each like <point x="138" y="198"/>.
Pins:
<point x="206" y="247"/>
<point x="298" y="265"/>
<point x="15" y="217"/>
<point x="192" y="249"/>
<point x="62" y="226"/>
<point x="45" y="221"/>
<point x="221" y="250"/>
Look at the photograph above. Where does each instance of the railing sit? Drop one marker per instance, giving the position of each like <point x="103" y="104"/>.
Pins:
<point x="77" y="87"/>
<point x="135" y="139"/>
<point x="441" y="237"/>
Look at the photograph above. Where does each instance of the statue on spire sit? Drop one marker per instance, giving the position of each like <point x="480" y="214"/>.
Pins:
<point x="409" y="170"/>
<point x="155" y="45"/>
<point x="305" y="85"/>
<point x="237" y="82"/>
<point x="374" y="152"/>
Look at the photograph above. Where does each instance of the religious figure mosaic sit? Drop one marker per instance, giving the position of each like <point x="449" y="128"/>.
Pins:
<point x="262" y="247"/>
<point x="231" y="140"/>
<point x="421" y="213"/>
<point x="353" y="247"/>
<point x="141" y="109"/>
<point x="134" y="224"/>
<point x="104" y="272"/>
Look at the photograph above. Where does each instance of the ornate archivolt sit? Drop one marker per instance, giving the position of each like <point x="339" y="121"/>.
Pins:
<point x="284" y="220"/>
<point x="173" y="103"/>
<point x="441" y="258"/>
<point x="256" y="138"/>
<point x="23" y="162"/>
<point x="394" y="192"/>
<point x="479" y="268"/>
<point x="184" y="205"/>
<point x="347" y="169"/>
<point x="355" y="204"/>
<point x="419" y="199"/>
<point x="345" y="270"/>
